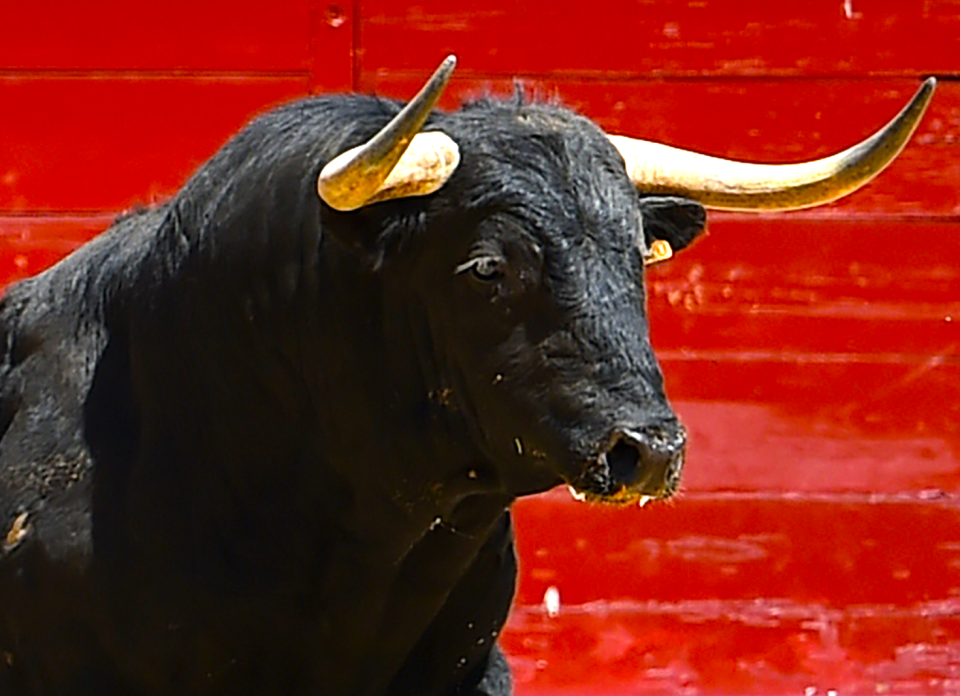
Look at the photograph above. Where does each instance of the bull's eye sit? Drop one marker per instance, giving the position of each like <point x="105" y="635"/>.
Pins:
<point x="488" y="268"/>
<point x="485" y="268"/>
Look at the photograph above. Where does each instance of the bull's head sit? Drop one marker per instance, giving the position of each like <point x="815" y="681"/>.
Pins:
<point x="544" y="308"/>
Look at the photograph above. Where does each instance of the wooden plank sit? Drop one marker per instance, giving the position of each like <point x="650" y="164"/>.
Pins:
<point x="764" y="646"/>
<point x="332" y="48"/>
<point x="762" y="121"/>
<point x="737" y="594"/>
<point x="30" y="244"/>
<point x="791" y="285"/>
<point x="841" y="330"/>
<point x="108" y="144"/>
<point x="828" y="348"/>
<point x="842" y="444"/>
<point x="177" y="35"/>
<point x="826" y="424"/>
<point x="666" y="38"/>
<point x="840" y="550"/>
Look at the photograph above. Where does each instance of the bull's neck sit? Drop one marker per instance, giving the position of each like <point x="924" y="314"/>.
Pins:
<point x="402" y="439"/>
<point x="321" y="397"/>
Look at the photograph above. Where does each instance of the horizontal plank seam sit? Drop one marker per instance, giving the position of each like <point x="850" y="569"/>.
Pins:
<point x="160" y="74"/>
<point x="805" y="358"/>
<point x="847" y="217"/>
<point x="32" y="215"/>
<point x="465" y="74"/>
<point x="852" y="217"/>
<point x="928" y="498"/>
<point x="750" y="610"/>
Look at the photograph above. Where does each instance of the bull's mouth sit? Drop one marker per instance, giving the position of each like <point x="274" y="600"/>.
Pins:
<point x="634" y="468"/>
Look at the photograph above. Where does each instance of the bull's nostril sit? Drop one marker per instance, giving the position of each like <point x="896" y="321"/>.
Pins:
<point x="637" y="464"/>
<point x="623" y="459"/>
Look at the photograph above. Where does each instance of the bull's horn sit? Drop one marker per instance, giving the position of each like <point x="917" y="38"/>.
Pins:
<point x="728" y="185"/>
<point x="398" y="161"/>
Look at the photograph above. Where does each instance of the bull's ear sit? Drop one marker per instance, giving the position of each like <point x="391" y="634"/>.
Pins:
<point x="677" y="221"/>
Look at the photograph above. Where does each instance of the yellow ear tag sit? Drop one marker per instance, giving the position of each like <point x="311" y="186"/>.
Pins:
<point x="659" y="251"/>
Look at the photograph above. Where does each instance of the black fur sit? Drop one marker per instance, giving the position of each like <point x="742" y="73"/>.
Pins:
<point x="267" y="448"/>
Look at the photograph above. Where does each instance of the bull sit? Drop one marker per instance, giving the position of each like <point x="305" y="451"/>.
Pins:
<point x="263" y="439"/>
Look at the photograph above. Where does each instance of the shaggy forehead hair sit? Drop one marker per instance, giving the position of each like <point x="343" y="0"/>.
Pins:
<point x="552" y="166"/>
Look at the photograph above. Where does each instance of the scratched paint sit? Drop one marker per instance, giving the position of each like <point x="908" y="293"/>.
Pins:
<point x="843" y="548"/>
<point x="669" y="38"/>
<point x="760" y="646"/>
<point x="849" y="12"/>
<point x="739" y="593"/>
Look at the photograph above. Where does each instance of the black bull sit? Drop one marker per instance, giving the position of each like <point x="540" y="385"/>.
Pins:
<point x="254" y="445"/>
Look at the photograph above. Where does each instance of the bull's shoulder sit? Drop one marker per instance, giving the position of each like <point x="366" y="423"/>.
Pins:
<point x="53" y="335"/>
<point x="43" y="459"/>
<point x="457" y="653"/>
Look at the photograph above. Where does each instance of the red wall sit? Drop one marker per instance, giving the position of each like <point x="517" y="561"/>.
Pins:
<point x="814" y="356"/>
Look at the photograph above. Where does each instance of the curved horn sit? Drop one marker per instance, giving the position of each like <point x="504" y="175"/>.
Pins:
<point x="398" y="161"/>
<point x="728" y="185"/>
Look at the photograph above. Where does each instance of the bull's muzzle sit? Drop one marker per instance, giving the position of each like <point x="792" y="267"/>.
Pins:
<point x="635" y="465"/>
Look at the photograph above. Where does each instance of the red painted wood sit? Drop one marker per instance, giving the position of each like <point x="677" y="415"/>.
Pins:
<point x="763" y="121"/>
<point x="332" y="46"/>
<point x="849" y="442"/>
<point x="837" y="550"/>
<point x="827" y="395"/>
<point x="761" y="646"/>
<point x="671" y="37"/>
<point x="29" y="245"/>
<point x="110" y="143"/>
<point x="233" y="35"/>
<point x="788" y="285"/>
<point x="812" y="356"/>
<point x="739" y="594"/>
